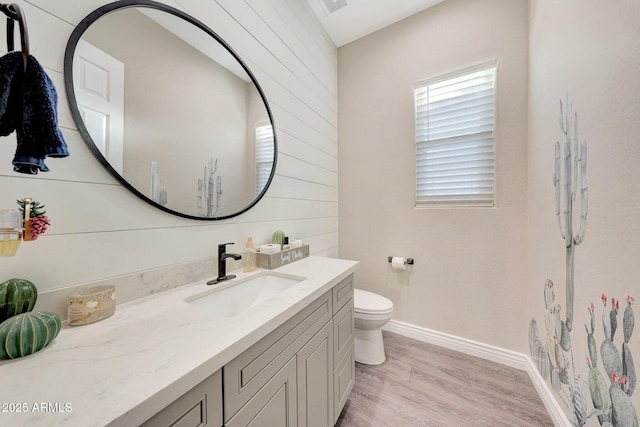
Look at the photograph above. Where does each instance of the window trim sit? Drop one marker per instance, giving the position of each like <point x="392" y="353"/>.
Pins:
<point x="450" y="201"/>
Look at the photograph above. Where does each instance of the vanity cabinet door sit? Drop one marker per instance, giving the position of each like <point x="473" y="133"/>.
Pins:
<point x="274" y="405"/>
<point x="315" y="380"/>
<point x="201" y="406"/>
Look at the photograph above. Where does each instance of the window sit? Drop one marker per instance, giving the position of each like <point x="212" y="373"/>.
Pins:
<point x="264" y="156"/>
<point x="454" y="138"/>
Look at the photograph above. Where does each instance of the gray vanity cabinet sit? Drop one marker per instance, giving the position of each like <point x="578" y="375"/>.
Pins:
<point x="201" y="406"/>
<point x="300" y="374"/>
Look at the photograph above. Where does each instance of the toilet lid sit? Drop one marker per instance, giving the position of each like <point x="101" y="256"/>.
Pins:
<point x="368" y="302"/>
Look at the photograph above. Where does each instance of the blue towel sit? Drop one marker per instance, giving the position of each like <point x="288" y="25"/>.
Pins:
<point x="10" y="92"/>
<point x="28" y="105"/>
<point x="38" y="133"/>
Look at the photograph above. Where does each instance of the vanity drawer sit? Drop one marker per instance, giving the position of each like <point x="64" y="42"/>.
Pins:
<point x="245" y="375"/>
<point x="342" y="293"/>
<point x="342" y="331"/>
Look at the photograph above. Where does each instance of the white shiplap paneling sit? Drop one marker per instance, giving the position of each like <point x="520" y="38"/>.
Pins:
<point x="287" y="28"/>
<point x="100" y="230"/>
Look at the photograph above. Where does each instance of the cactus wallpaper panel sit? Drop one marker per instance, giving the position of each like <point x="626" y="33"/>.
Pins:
<point x="593" y="393"/>
<point x="584" y="208"/>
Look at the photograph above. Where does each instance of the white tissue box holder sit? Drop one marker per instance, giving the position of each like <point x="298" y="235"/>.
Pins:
<point x="271" y="261"/>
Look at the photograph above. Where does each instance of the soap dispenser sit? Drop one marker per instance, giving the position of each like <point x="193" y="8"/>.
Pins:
<point x="249" y="256"/>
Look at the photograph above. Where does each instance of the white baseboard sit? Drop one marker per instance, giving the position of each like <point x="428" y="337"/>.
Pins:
<point x="550" y="402"/>
<point x="496" y="354"/>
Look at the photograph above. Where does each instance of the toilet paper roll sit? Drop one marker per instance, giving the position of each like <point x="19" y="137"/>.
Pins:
<point x="269" y="248"/>
<point x="398" y="263"/>
<point x="295" y="243"/>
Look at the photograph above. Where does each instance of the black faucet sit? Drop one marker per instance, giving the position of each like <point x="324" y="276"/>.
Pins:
<point x="222" y="265"/>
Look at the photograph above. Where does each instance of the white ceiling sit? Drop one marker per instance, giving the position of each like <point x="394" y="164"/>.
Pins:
<point x="361" y="17"/>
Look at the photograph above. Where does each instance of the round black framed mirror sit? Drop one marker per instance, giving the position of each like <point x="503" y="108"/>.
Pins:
<point x="170" y="110"/>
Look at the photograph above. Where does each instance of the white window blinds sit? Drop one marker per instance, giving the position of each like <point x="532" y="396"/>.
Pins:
<point x="454" y="138"/>
<point x="264" y="156"/>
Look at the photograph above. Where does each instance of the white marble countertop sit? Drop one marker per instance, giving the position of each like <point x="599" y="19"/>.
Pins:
<point x="124" y="369"/>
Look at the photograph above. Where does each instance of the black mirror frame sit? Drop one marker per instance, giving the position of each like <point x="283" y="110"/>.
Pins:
<point x="77" y="118"/>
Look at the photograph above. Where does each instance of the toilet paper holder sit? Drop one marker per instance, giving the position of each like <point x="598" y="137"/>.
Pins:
<point x="406" y="260"/>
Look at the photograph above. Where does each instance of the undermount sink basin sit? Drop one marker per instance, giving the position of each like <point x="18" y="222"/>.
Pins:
<point x="245" y="294"/>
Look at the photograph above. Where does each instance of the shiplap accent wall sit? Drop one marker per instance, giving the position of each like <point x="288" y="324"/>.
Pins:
<point x="99" y="230"/>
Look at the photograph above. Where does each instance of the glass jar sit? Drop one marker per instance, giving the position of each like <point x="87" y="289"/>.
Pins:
<point x="10" y="231"/>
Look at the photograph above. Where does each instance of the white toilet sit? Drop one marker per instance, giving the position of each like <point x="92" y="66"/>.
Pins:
<point x="371" y="312"/>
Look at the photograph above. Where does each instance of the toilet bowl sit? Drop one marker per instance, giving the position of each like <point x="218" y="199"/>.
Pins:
<point x="371" y="312"/>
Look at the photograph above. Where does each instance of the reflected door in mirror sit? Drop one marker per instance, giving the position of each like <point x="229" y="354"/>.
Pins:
<point x="99" y="83"/>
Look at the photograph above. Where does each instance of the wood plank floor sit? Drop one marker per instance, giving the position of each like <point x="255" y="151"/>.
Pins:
<point x="422" y="384"/>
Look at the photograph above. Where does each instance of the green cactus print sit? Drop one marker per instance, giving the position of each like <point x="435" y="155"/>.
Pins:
<point x="609" y="393"/>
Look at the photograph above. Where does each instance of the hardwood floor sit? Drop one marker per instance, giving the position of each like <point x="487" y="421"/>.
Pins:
<point x="422" y="384"/>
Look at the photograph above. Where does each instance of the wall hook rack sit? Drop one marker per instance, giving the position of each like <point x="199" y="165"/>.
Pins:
<point x="14" y="13"/>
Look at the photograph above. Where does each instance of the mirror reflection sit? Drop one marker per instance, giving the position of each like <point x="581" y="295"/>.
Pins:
<point x="171" y="112"/>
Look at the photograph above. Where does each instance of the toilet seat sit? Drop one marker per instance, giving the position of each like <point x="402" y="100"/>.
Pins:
<point x="365" y="302"/>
